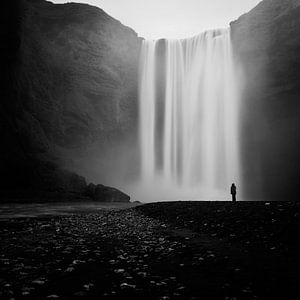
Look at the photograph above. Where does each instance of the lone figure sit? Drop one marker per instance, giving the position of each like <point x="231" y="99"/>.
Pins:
<point x="233" y="192"/>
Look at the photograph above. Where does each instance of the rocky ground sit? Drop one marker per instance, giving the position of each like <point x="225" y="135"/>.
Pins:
<point x="178" y="250"/>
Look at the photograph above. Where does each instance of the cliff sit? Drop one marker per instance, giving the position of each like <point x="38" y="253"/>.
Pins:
<point x="69" y="77"/>
<point x="68" y="91"/>
<point x="266" y="42"/>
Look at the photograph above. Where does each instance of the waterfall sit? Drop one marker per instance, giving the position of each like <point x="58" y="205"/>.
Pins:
<point x="188" y="129"/>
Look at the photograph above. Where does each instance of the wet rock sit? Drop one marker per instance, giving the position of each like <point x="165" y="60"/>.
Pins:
<point x="108" y="194"/>
<point x="103" y="193"/>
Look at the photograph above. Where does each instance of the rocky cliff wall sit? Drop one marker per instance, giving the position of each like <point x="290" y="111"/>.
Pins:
<point x="266" y="42"/>
<point x="68" y="91"/>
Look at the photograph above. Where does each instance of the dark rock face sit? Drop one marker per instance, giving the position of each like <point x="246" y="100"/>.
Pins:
<point x="68" y="89"/>
<point x="90" y="190"/>
<point x="103" y="193"/>
<point x="108" y="194"/>
<point x="83" y="64"/>
<point x="267" y="43"/>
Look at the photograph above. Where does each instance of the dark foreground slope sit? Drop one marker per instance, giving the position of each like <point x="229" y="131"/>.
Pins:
<point x="181" y="250"/>
<point x="266" y="41"/>
<point x="68" y="92"/>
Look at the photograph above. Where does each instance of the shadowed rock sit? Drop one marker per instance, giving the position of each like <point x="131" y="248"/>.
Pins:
<point x="267" y="43"/>
<point x="68" y="88"/>
<point x="103" y="193"/>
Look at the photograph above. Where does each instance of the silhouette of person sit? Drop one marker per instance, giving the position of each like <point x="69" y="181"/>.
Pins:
<point x="233" y="192"/>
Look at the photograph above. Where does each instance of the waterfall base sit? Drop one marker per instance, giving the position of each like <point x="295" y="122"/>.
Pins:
<point x="189" y="108"/>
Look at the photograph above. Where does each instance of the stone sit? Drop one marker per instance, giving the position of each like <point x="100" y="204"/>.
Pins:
<point x="109" y="194"/>
<point x="68" y="84"/>
<point x="266" y="44"/>
<point x="103" y="193"/>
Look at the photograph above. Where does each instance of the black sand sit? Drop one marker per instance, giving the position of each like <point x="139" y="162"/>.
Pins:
<point x="178" y="250"/>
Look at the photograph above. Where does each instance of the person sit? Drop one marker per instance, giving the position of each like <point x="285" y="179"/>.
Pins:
<point x="233" y="192"/>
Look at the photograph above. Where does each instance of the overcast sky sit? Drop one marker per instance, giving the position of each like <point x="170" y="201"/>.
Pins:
<point x="153" y="19"/>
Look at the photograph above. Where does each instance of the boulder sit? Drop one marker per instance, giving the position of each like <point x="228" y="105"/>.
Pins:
<point x="103" y="193"/>
<point x="90" y="190"/>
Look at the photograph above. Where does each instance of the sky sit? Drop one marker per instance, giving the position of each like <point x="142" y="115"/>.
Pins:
<point x="154" y="19"/>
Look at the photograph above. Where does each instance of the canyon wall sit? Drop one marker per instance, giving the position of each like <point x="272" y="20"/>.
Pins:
<point x="266" y="42"/>
<point x="69" y="76"/>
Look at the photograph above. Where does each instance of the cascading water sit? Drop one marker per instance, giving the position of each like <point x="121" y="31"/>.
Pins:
<point x="189" y="136"/>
